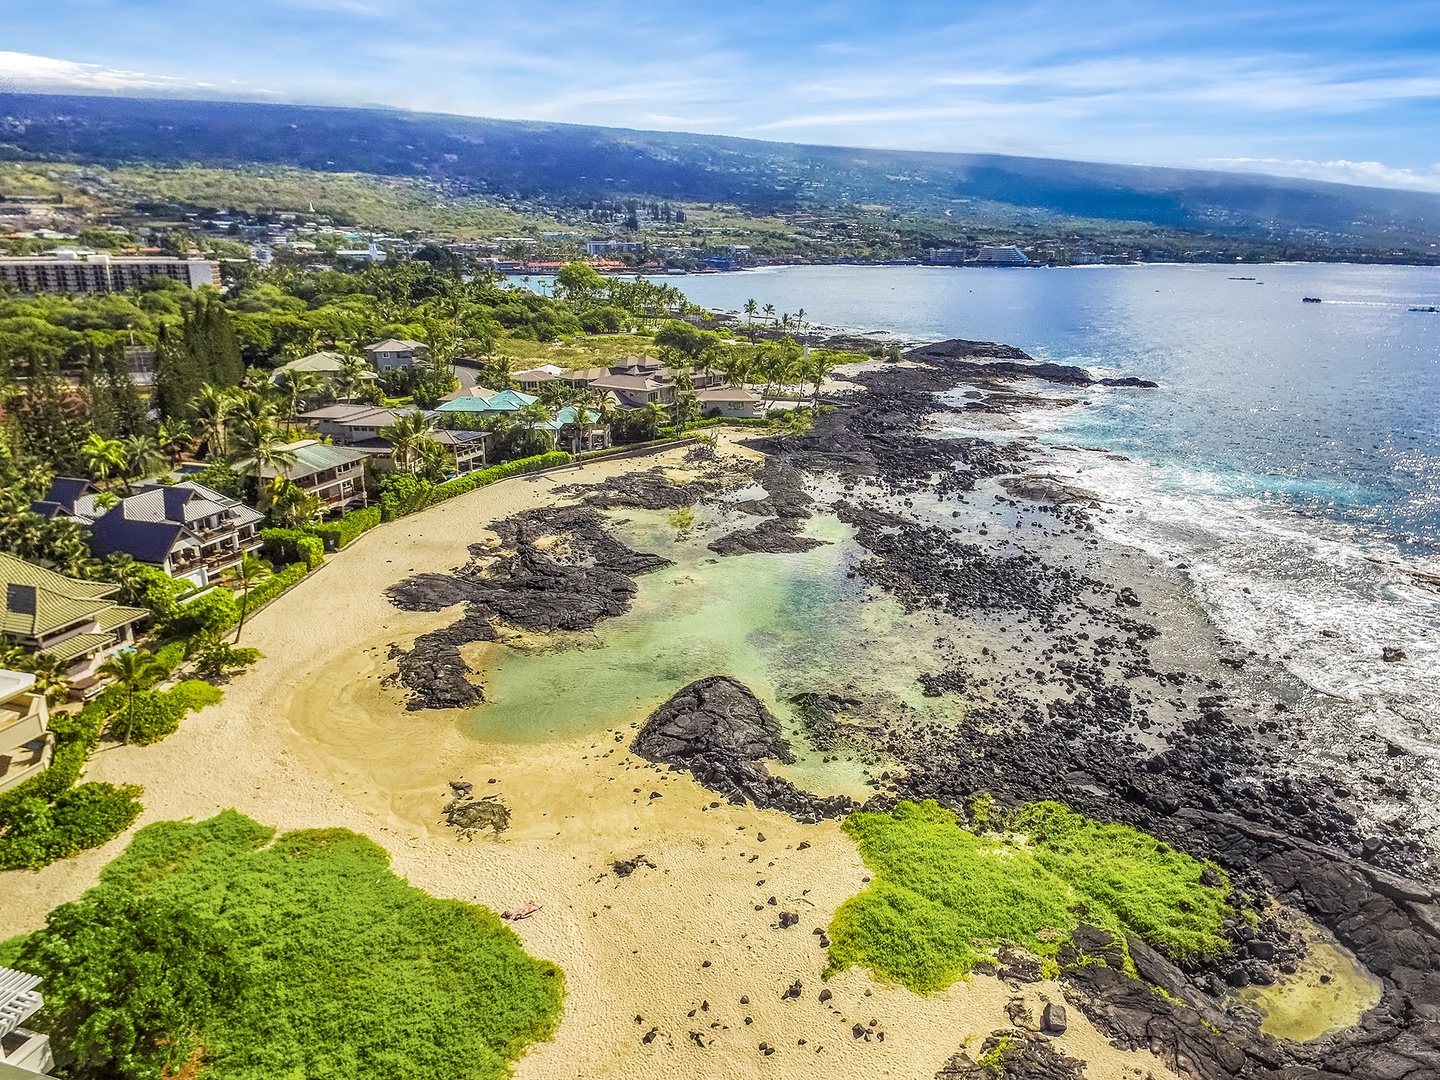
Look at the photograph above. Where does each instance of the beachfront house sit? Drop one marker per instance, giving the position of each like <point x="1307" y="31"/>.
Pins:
<point x="26" y="744"/>
<point x="77" y="622"/>
<point x="579" y="430"/>
<point x="395" y="353"/>
<point x="638" y="390"/>
<point x="360" y="427"/>
<point x="188" y="530"/>
<point x="481" y="401"/>
<point x="23" y="1053"/>
<point x="333" y="474"/>
<point x="735" y="401"/>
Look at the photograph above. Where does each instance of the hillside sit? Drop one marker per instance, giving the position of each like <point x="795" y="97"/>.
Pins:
<point x="560" y="164"/>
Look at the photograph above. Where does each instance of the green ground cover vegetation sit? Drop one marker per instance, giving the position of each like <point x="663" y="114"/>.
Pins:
<point x="217" y="945"/>
<point x="944" y="897"/>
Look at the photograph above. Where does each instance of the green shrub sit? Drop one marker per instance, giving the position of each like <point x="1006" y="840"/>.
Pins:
<point x="215" y="657"/>
<point x="37" y="832"/>
<point x="401" y="494"/>
<point x="157" y="713"/>
<point x="171" y="653"/>
<point x="304" y="956"/>
<point x="339" y="534"/>
<point x="481" y="478"/>
<point x="293" y="545"/>
<point x="210" y="611"/>
<point x="273" y="586"/>
<point x="942" y="898"/>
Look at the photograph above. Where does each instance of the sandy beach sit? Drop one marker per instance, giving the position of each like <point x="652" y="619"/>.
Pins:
<point x="314" y="736"/>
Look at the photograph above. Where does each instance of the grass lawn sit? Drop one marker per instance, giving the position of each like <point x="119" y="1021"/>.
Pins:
<point x="943" y="898"/>
<point x="217" y="945"/>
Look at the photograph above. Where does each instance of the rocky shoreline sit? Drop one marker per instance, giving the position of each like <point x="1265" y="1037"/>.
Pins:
<point x="1073" y="696"/>
<point x="1100" y="727"/>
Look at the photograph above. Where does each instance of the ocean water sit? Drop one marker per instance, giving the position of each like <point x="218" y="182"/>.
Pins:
<point x="1290" y="459"/>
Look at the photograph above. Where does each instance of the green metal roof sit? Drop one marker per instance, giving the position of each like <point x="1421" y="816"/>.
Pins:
<point x="78" y="645"/>
<point x="36" y="601"/>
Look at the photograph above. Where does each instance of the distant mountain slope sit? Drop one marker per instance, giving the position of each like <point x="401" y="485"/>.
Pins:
<point x="567" y="162"/>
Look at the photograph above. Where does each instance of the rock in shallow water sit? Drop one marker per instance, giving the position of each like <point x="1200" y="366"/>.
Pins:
<point x="722" y="733"/>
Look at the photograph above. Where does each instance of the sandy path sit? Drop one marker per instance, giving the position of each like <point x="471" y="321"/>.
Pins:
<point x="310" y="737"/>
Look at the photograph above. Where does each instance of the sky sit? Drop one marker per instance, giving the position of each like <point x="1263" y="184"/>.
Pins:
<point x="1335" y="91"/>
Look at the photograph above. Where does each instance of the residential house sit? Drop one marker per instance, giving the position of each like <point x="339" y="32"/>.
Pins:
<point x="327" y="365"/>
<point x="26" y="744"/>
<point x="638" y="390"/>
<point x="188" y="530"/>
<point x="333" y="474"/>
<point x="360" y="427"/>
<point x="533" y="379"/>
<point x="23" y="1053"/>
<point x="352" y="425"/>
<point x="468" y="450"/>
<point x="578" y="430"/>
<point x="480" y="400"/>
<point x="737" y="401"/>
<point x="76" y="622"/>
<point x="392" y="353"/>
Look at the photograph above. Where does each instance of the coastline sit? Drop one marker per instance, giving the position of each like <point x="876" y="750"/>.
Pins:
<point x="312" y="736"/>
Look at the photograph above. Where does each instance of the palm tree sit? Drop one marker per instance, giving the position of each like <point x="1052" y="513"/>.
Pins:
<point x="297" y="386"/>
<point x="51" y="679"/>
<point x="213" y="406"/>
<point x="769" y="310"/>
<point x="534" y="415"/>
<point x="124" y="571"/>
<point x="134" y="669"/>
<point x="173" y="439"/>
<point x="142" y="458"/>
<point x="262" y="449"/>
<point x="351" y="377"/>
<point x="103" y="457"/>
<point x="251" y="571"/>
<point x="253" y="409"/>
<point x="405" y="436"/>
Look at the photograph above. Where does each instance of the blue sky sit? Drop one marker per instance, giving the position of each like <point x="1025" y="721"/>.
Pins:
<point x="1341" y="91"/>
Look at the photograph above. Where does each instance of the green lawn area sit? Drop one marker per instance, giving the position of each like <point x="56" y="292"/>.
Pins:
<point x="303" y="957"/>
<point x="943" y="898"/>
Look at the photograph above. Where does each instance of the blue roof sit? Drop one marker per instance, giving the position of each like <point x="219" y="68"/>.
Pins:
<point x="501" y="401"/>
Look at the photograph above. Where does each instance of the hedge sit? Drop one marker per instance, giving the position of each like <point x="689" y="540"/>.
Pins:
<point x="273" y="586"/>
<point x="158" y="713"/>
<point x="339" y="534"/>
<point x="293" y="545"/>
<point x="47" y="817"/>
<point x="470" y="481"/>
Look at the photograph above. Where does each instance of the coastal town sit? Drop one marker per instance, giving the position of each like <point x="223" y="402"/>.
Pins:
<point x="438" y="646"/>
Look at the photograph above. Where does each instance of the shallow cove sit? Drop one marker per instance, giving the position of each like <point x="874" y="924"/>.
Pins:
<point x="782" y="624"/>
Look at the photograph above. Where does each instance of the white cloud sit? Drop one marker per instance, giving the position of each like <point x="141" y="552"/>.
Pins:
<point x="1366" y="173"/>
<point x="29" y="71"/>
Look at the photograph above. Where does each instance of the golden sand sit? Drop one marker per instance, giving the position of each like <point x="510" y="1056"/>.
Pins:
<point x="311" y="737"/>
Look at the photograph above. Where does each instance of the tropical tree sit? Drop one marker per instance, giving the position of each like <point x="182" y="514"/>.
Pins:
<point x="262" y="449"/>
<point x="51" y="677"/>
<point x="135" y="670"/>
<point x="173" y="438"/>
<point x="535" y="415"/>
<point x="297" y="386"/>
<point x="122" y="569"/>
<point x="103" y="457"/>
<point x="432" y="461"/>
<point x="142" y="458"/>
<point x="291" y="505"/>
<point x="405" y="436"/>
<point x="818" y="366"/>
<point x="248" y="573"/>
<point x="353" y="374"/>
<point x="212" y="407"/>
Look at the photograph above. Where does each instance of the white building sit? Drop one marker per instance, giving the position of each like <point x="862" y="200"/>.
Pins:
<point x="79" y="270"/>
